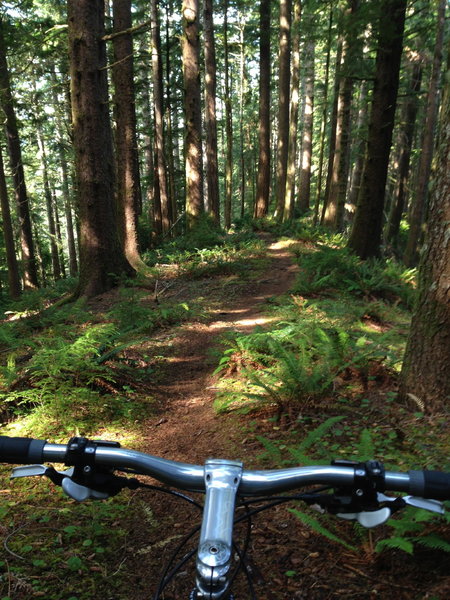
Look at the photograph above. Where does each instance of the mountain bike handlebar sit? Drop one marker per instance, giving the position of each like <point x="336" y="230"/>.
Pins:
<point x="423" y="483"/>
<point x="358" y="490"/>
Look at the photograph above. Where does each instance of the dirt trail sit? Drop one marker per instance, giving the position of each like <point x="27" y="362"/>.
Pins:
<point x="288" y="561"/>
<point x="187" y="428"/>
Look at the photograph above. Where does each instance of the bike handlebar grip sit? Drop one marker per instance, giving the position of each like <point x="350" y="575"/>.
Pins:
<point x="18" y="450"/>
<point x="430" y="484"/>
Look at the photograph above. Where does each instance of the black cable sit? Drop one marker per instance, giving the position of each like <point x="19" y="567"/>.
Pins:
<point x="157" y="488"/>
<point x="272" y="501"/>
<point x="167" y="577"/>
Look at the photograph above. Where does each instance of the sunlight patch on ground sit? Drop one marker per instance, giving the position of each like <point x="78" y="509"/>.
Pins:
<point x="236" y="311"/>
<point x="252" y="322"/>
<point x="183" y="359"/>
<point x="282" y="244"/>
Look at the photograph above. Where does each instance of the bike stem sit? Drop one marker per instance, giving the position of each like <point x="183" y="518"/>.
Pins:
<point x="222" y="479"/>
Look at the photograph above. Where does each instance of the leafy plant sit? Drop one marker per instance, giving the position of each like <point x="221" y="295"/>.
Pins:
<point x="410" y="529"/>
<point x="327" y="270"/>
<point x="319" y="528"/>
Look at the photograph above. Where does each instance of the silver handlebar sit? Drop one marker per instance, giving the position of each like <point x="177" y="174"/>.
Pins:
<point x="191" y="477"/>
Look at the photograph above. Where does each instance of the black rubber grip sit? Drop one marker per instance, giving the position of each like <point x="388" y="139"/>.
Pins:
<point x="19" y="450"/>
<point x="430" y="484"/>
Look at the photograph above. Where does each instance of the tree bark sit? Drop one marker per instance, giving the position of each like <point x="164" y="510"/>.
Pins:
<point x="406" y="142"/>
<point x="170" y="148"/>
<point x="360" y="140"/>
<point x="304" y="185"/>
<point x="289" y="200"/>
<point x="283" y="104"/>
<point x="212" y="167"/>
<point x="158" y="104"/>
<point x="54" y="251"/>
<point x="127" y="160"/>
<point x="264" y="168"/>
<point x="29" y="266"/>
<point x="417" y="216"/>
<point x="334" y="215"/>
<point x="365" y="238"/>
<point x="102" y="259"/>
<point x="324" y="119"/>
<point x="59" y="119"/>
<point x="228" y="209"/>
<point x="333" y="125"/>
<point x="424" y="376"/>
<point x="59" y="236"/>
<point x="192" y="108"/>
<point x="8" y="236"/>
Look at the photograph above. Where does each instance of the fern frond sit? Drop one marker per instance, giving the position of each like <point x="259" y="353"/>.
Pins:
<point x="318" y="433"/>
<point x="272" y="450"/>
<point x="319" y="528"/>
<point x="433" y="541"/>
<point x="399" y="543"/>
<point x="365" y="449"/>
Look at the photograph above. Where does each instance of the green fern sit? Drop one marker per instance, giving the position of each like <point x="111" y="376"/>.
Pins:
<point x="398" y="543"/>
<point x="366" y="449"/>
<point x="319" y="528"/>
<point x="409" y="527"/>
<point x="313" y="439"/>
<point x="433" y="541"/>
<point x="272" y="450"/>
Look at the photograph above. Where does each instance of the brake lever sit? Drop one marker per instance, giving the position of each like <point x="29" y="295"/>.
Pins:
<point x="374" y="518"/>
<point x="77" y="492"/>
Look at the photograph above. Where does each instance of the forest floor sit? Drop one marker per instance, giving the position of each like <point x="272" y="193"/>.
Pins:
<point x="287" y="559"/>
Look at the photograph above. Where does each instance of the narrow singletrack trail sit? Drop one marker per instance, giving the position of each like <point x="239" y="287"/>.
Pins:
<point x="186" y="427"/>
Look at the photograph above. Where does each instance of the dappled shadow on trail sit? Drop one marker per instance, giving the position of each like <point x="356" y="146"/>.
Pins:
<point x="184" y="391"/>
<point x="288" y="560"/>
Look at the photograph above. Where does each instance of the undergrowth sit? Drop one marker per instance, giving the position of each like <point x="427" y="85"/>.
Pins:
<point x="334" y="348"/>
<point x="321" y="381"/>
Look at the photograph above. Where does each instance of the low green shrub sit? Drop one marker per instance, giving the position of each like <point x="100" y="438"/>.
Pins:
<point x="294" y="364"/>
<point x="328" y="271"/>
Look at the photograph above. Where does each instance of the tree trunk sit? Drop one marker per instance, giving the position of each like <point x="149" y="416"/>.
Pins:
<point x="157" y="72"/>
<point x="334" y="215"/>
<point x="212" y="168"/>
<point x="333" y="125"/>
<point x="365" y="238"/>
<point x="417" y="216"/>
<point x="228" y="126"/>
<point x="289" y="201"/>
<point x="71" y="246"/>
<point x="54" y="250"/>
<point x="171" y="148"/>
<point x="406" y="141"/>
<point x="102" y="259"/>
<point x="424" y="376"/>
<point x="242" y="90"/>
<point x="324" y="118"/>
<point x="59" y="236"/>
<point x="283" y="104"/>
<point x="192" y="107"/>
<point x="29" y="267"/>
<point x="264" y="167"/>
<point x="8" y="236"/>
<point x="304" y="186"/>
<point x="360" y="151"/>
<point x="127" y="160"/>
